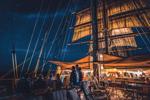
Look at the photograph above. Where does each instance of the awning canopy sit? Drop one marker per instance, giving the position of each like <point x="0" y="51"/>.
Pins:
<point x="142" y="61"/>
<point x="84" y="63"/>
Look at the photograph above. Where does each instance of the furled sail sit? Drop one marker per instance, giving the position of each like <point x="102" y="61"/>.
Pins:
<point x="123" y="17"/>
<point x="122" y="14"/>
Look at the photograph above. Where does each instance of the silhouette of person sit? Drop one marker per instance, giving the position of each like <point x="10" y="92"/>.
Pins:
<point x="58" y="82"/>
<point x="73" y="77"/>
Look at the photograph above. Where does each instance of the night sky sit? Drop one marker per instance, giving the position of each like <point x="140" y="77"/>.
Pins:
<point x="17" y="21"/>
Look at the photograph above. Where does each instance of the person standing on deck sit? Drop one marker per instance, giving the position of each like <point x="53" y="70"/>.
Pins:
<point x="50" y="81"/>
<point x="79" y="75"/>
<point x="73" y="77"/>
<point x="58" y="82"/>
<point x="76" y="76"/>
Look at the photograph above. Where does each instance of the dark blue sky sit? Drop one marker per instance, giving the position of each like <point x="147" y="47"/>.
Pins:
<point x="17" y="20"/>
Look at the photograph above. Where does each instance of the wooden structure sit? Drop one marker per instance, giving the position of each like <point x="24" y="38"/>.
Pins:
<point x="119" y="23"/>
<point x="123" y="16"/>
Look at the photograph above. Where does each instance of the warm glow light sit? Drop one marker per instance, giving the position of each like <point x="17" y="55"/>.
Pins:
<point x="101" y="55"/>
<point x="102" y="66"/>
<point x="118" y="26"/>
<point x="58" y="70"/>
<point x="122" y="31"/>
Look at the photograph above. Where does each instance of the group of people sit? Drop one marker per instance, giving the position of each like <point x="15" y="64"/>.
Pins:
<point x="76" y="76"/>
<point x="29" y="84"/>
<point x="38" y="85"/>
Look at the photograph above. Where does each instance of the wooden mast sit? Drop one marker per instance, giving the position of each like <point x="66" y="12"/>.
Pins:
<point x="94" y="35"/>
<point x="105" y="24"/>
<point x="95" y="32"/>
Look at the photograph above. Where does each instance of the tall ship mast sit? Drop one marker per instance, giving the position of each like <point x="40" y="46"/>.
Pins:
<point x="123" y="29"/>
<point x="123" y="20"/>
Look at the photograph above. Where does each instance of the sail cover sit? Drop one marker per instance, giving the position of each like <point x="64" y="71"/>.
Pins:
<point x="122" y="16"/>
<point x="142" y="61"/>
<point x="125" y="18"/>
<point x="85" y="63"/>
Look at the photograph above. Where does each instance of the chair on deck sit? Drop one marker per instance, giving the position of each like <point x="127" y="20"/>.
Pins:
<point x="144" y="93"/>
<point x="59" y="95"/>
<point x="99" y="87"/>
<point x="92" y="95"/>
<point x="72" y="94"/>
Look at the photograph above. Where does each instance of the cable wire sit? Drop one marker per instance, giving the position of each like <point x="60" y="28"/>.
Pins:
<point x="33" y="32"/>
<point x="37" y="41"/>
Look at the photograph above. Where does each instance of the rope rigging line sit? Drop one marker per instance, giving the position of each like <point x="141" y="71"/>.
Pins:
<point x="59" y="42"/>
<point x="124" y="36"/>
<point x="33" y="32"/>
<point x="39" y="36"/>
<point x="43" y="60"/>
<point x="11" y="70"/>
<point x="61" y="53"/>
<point x="14" y="71"/>
<point x="44" y="63"/>
<point x="136" y="5"/>
<point x="41" y="51"/>
<point x="61" y="47"/>
<point x="55" y="37"/>
<point x="145" y="43"/>
<point x="43" y="47"/>
<point x="70" y="24"/>
<point x="65" y="35"/>
<point x="58" y="29"/>
<point x="139" y="32"/>
<point x="37" y="41"/>
<point x="148" y="21"/>
<point x="56" y="50"/>
<point x="139" y="3"/>
<point x="50" y="28"/>
<point x="16" y="66"/>
<point x="53" y="20"/>
<point x="145" y="35"/>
